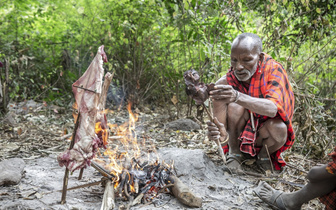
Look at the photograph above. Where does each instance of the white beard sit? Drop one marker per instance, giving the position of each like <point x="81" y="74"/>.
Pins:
<point x="248" y="73"/>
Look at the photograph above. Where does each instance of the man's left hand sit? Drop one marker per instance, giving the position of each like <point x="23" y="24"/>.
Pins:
<point x="216" y="131"/>
<point x="224" y="92"/>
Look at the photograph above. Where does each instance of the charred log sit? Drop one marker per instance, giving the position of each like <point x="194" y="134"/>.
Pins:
<point x="184" y="194"/>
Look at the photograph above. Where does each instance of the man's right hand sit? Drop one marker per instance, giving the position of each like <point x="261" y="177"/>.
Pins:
<point x="216" y="131"/>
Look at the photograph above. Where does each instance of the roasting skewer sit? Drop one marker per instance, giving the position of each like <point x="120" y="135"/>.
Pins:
<point x="200" y="93"/>
<point x="220" y="149"/>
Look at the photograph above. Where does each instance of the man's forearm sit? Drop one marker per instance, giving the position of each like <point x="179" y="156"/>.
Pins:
<point x="220" y="111"/>
<point x="260" y="106"/>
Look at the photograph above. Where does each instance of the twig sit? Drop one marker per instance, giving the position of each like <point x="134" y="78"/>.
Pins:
<point x="137" y="199"/>
<point x="84" y="185"/>
<point x="101" y="170"/>
<point x="81" y="174"/>
<point x="252" y="121"/>
<point x="269" y="157"/>
<point x="66" y="174"/>
<point x="315" y="52"/>
<point x="108" y="198"/>
<point x="65" y="136"/>
<point x="293" y="167"/>
<point x="48" y="88"/>
<point x="84" y="88"/>
<point x="165" y="187"/>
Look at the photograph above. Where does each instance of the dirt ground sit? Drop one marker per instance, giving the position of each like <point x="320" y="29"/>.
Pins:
<point x="37" y="134"/>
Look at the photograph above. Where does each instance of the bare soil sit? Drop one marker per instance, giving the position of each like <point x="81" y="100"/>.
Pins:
<point x="37" y="135"/>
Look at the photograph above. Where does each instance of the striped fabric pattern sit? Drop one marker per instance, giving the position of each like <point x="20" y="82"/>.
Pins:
<point x="329" y="200"/>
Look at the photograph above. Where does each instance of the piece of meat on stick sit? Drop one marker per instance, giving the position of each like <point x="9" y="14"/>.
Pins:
<point x="196" y="89"/>
<point x="200" y="93"/>
<point x="87" y="90"/>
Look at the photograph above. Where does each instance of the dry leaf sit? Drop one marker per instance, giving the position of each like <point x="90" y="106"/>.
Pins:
<point x="174" y="100"/>
<point x="19" y="131"/>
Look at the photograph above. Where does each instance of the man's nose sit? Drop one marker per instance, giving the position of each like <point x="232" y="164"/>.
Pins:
<point x="239" y="66"/>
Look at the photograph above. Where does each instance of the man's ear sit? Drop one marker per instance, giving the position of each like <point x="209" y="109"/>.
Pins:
<point x="261" y="57"/>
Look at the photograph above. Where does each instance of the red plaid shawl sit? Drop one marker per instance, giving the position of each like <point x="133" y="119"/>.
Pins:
<point x="329" y="200"/>
<point x="270" y="81"/>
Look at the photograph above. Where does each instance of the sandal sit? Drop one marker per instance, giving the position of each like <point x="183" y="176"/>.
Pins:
<point x="233" y="159"/>
<point x="264" y="164"/>
<point x="275" y="201"/>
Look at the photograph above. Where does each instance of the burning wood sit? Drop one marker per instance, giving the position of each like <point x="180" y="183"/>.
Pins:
<point x="144" y="182"/>
<point x="137" y="178"/>
<point x="108" y="198"/>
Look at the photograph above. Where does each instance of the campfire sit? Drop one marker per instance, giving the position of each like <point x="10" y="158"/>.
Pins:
<point x="134" y="174"/>
<point x="128" y="172"/>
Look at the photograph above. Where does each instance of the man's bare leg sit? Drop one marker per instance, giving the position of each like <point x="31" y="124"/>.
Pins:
<point x="274" y="135"/>
<point x="237" y="118"/>
<point x="320" y="183"/>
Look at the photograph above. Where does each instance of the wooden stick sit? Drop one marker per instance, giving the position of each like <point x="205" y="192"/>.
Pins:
<point x="269" y="157"/>
<point x="108" y="198"/>
<point x="81" y="174"/>
<point x="137" y="200"/>
<point x="84" y="185"/>
<point x="64" y="137"/>
<point x="220" y="149"/>
<point x="165" y="187"/>
<point x="252" y="121"/>
<point x="66" y="174"/>
<point x="103" y="95"/>
<point x="101" y="170"/>
<point x="85" y="89"/>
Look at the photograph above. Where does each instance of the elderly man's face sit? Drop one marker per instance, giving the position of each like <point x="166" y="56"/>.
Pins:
<point x="244" y="59"/>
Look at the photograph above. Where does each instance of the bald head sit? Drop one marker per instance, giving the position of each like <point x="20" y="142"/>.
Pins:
<point x="253" y="40"/>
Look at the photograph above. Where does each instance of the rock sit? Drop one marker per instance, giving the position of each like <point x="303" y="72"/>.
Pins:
<point x="11" y="171"/>
<point x="183" y="124"/>
<point x="187" y="162"/>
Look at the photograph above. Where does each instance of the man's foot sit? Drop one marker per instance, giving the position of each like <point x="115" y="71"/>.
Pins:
<point x="272" y="197"/>
<point x="264" y="164"/>
<point x="234" y="162"/>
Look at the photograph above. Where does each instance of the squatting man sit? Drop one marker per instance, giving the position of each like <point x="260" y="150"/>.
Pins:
<point x="253" y="107"/>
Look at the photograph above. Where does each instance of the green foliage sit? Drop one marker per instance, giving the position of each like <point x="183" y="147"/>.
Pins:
<point x="150" y="43"/>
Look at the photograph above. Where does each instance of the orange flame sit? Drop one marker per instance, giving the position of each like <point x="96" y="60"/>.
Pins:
<point x="122" y="161"/>
<point x="101" y="132"/>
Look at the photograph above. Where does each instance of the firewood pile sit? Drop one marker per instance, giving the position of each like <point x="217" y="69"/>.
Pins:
<point x="143" y="183"/>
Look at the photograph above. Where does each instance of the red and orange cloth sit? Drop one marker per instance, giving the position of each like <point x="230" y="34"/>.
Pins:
<point x="329" y="200"/>
<point x="271" y="82"/>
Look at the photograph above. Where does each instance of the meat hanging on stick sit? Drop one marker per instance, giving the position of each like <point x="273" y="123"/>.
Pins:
<point x="87" y="90"/>
<point x="196" y="89"/>
<point x="200" y="93"/>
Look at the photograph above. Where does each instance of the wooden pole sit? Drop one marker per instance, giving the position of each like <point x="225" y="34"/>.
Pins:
<point x="220" y="149"/>
<point x="108" y="198"/>
<point x="81" y="174"/>
<point x="66" y="175"/>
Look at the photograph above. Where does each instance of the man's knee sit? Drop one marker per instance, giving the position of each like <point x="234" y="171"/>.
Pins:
<point x="235" y="113"/>
<point x="277" y="129"/>
<point x="314" y="174"/>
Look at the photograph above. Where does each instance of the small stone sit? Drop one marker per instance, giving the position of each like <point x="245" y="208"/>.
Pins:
<point x="183" y="124"/>
<point x="11" y="171"/>
<point x="212" y="187"/>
